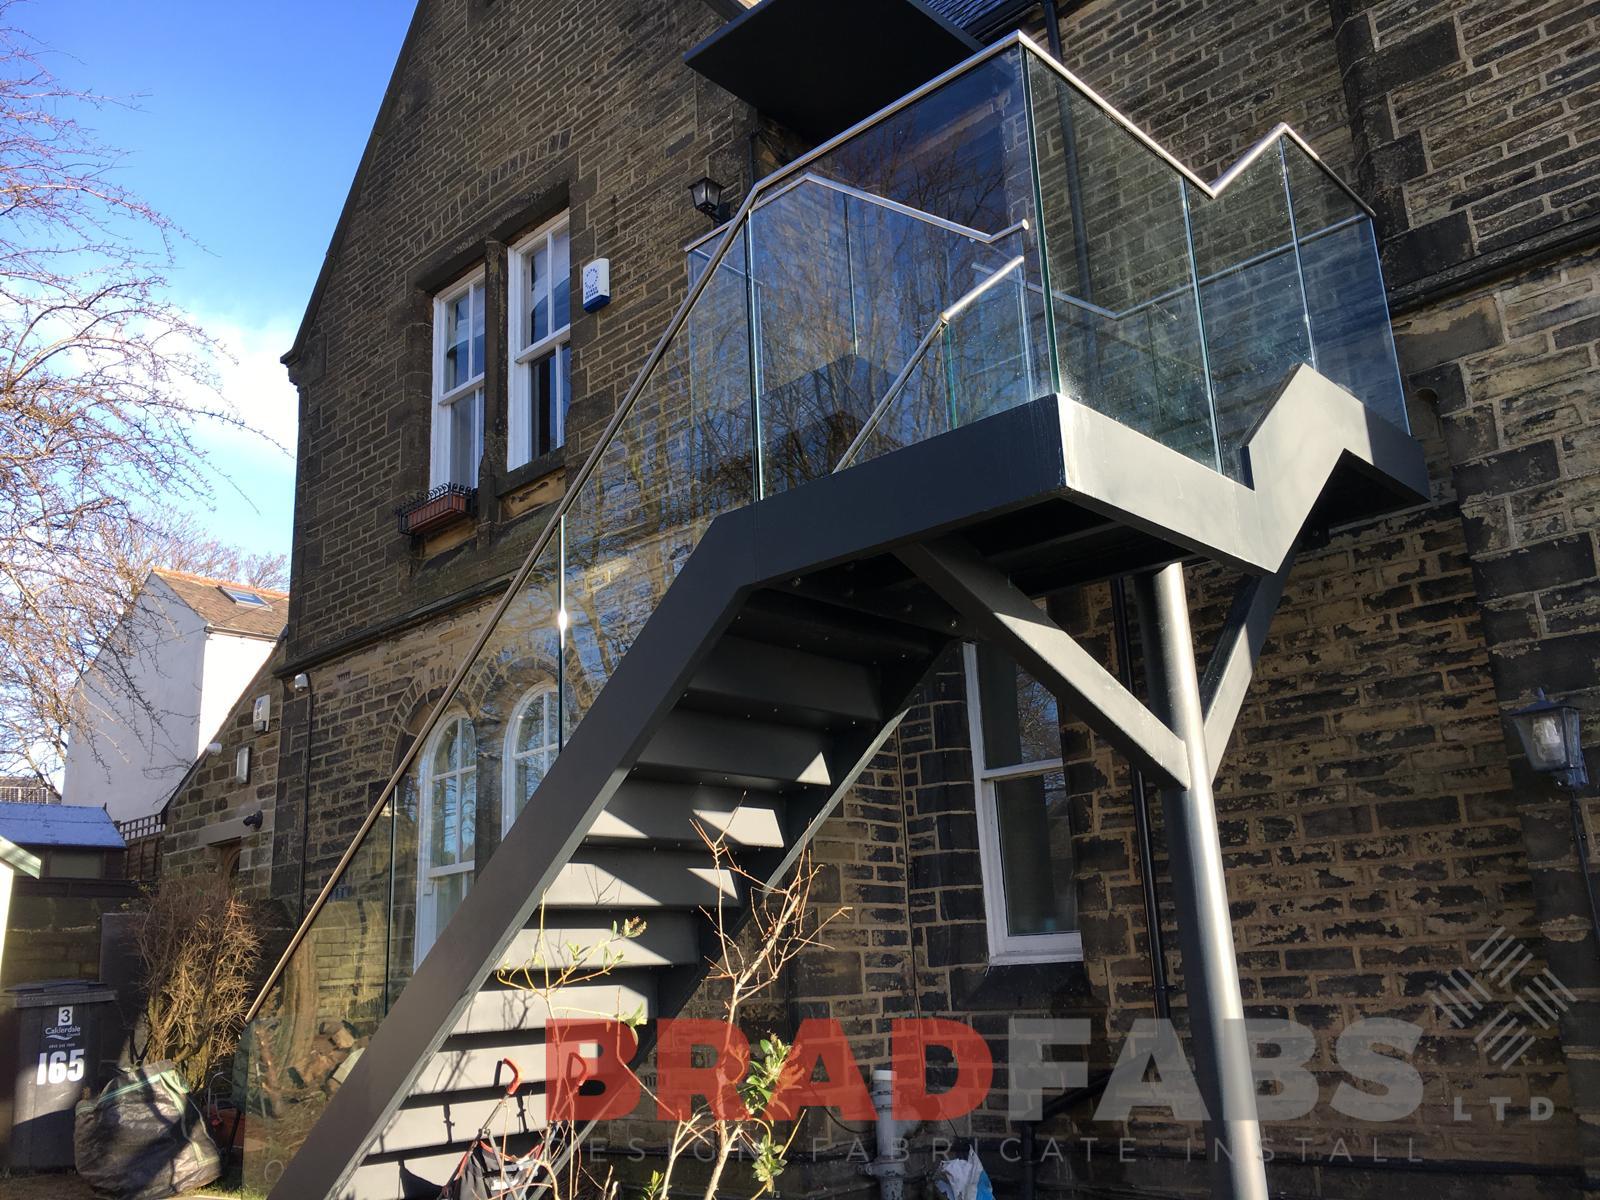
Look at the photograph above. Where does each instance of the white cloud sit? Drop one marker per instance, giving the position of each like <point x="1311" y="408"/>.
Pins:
<point x="253" y="383"/>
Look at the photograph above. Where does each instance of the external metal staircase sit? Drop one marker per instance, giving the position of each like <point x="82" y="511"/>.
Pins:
<point x="734" y="626"/>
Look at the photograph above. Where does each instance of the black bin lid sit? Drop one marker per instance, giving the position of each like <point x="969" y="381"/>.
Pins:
<point x="42" y="992"/>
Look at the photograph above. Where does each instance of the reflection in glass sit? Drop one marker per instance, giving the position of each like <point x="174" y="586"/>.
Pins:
<point x="1036" y="851"/>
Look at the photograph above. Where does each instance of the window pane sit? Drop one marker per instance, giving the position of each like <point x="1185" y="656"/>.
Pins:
<point x="445" y="757"/>
<point x="563" y="394"/>
<point x="1036" y="854"/>
<point x="457" y="334"/>
<point x="561" y="281"/>
<point x="467" y="815"/>
<point x="538" y="294"/>
<point x="548" y="386"/>
<point x="448" y="893"/>
<point x="1020" y="720"/>
<point x="530" y="772"/>
<point x="466" y="438"/>
<point x="442" y="823"/>
<point x="476" y="294"/>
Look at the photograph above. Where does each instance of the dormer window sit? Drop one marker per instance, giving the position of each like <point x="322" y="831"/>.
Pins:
<point x="240" y="596"/>
<point x="540" y="285"/>
<point x="458" y="384"/>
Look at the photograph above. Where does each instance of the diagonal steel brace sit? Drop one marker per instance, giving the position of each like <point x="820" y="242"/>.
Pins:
<point x="1007" y="616"/>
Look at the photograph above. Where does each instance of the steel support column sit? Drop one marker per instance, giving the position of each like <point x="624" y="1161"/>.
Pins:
<point x="1205" y="930"/>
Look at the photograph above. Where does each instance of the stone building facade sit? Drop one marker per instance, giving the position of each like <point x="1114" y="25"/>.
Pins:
<point x="1380" y="824"/>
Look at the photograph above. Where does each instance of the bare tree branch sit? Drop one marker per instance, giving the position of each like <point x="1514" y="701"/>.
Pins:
<point x="105" y="387"/>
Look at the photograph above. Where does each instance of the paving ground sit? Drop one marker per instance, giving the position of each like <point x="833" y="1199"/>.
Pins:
<point x="45" y="1187"/>
<point x="67" y="1186"/>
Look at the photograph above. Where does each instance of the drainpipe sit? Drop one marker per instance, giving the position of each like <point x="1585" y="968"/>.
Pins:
<point x="1052" y="29"/>
<point x="302" y="683"/>
<point x="889" y="1168"/>
<point x="1141" y="817"/>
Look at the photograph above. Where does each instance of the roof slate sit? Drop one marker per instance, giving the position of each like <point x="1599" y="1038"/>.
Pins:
<point x="206" y="598"/>
<point x="59" y="825"/>
<point x="968" y="14"/>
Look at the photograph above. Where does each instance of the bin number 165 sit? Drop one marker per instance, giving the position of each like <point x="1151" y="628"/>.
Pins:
<point x="60" y="1066"/>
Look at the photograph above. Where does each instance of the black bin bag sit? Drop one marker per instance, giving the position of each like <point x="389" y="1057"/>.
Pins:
<point x="143" y="1137"/>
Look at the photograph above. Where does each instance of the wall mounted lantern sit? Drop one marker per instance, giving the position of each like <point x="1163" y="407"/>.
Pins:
<point x="1549" y="733"/>
<point x="706" y="195"/>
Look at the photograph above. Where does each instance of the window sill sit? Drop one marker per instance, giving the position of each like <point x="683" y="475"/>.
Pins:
<point x="532" y="471"/>
<point x="1001" y="986"/>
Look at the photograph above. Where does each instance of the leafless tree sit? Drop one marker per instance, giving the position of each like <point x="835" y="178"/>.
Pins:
<point x="77" y="609"/>
<point x="198" y="943"/>
<point x="105" y="385"/>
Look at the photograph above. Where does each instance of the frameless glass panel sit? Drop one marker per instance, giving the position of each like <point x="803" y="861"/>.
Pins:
<point x="1036" y="853"/>
<point x="1344" y="288"/>
<point x="1250" y="299"/>
<point x="981" y="363"/>
<point x="326" y="1005"/>
<point x="1021" y="722"/>
<point x="520" y="657"/>
<point x="1127" y="329"/>
<point x="815" y="386"/>
<point x="855" y="259"/>
<point x="653" y="491"/>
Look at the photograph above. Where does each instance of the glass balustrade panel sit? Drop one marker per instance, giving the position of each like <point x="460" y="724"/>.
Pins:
<point x="1127" y="331"/>
<point x="682" y="456"/>
<point x="855" y="258"/>
<point x="326" y="1005"/>
<point x="1250" y="299"/>
<point x="1345" y="292"/>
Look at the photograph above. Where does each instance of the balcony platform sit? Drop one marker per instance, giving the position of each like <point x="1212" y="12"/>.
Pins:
<point x="1056" y="494"/>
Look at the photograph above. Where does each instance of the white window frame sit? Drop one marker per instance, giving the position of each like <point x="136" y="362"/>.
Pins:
<point x="512" y="757"/>
<point x="427" y="876"/>
<point x="442" y="450"/>
<point x="519" y="412"/>
<point x="1004" y="946"/>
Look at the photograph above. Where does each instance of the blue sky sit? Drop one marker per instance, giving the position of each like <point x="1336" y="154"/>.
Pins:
<point x="244" y="125"/>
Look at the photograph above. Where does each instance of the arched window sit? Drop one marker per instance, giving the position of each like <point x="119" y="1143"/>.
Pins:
<point x="531" y="746"/>
<point x="446" y="825"/>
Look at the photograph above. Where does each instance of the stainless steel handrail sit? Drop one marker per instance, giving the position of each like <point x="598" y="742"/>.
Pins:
<point x="1018" y="38"/>
<point x="729" y="231"/>
<point x="917" y="355"/>
<point x="541" y="543"/>
<point x="883" y="202"/>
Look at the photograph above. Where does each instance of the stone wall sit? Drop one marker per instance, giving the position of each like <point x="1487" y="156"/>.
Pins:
<point x="1378" y="823"/>
<point x="499" y="117"/>
<point x="211" y="796"/>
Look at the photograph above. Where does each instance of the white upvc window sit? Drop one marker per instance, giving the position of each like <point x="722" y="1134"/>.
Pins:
<point x="447" y="826"/>
<point x="1024" y="836"/>
<point x="531" y="746"/>
<point x="458" y="316"/>
<point x="539" y="278"/>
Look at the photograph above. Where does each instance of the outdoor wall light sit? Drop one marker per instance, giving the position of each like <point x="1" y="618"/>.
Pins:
<point x="253" y="821"/>
<point x="706" y="195"/>
<point x="1549" y="733"/>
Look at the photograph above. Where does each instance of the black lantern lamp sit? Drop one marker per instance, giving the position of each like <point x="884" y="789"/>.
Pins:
<point x="1549" y="733"/>
<point x="706" y="194"/>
